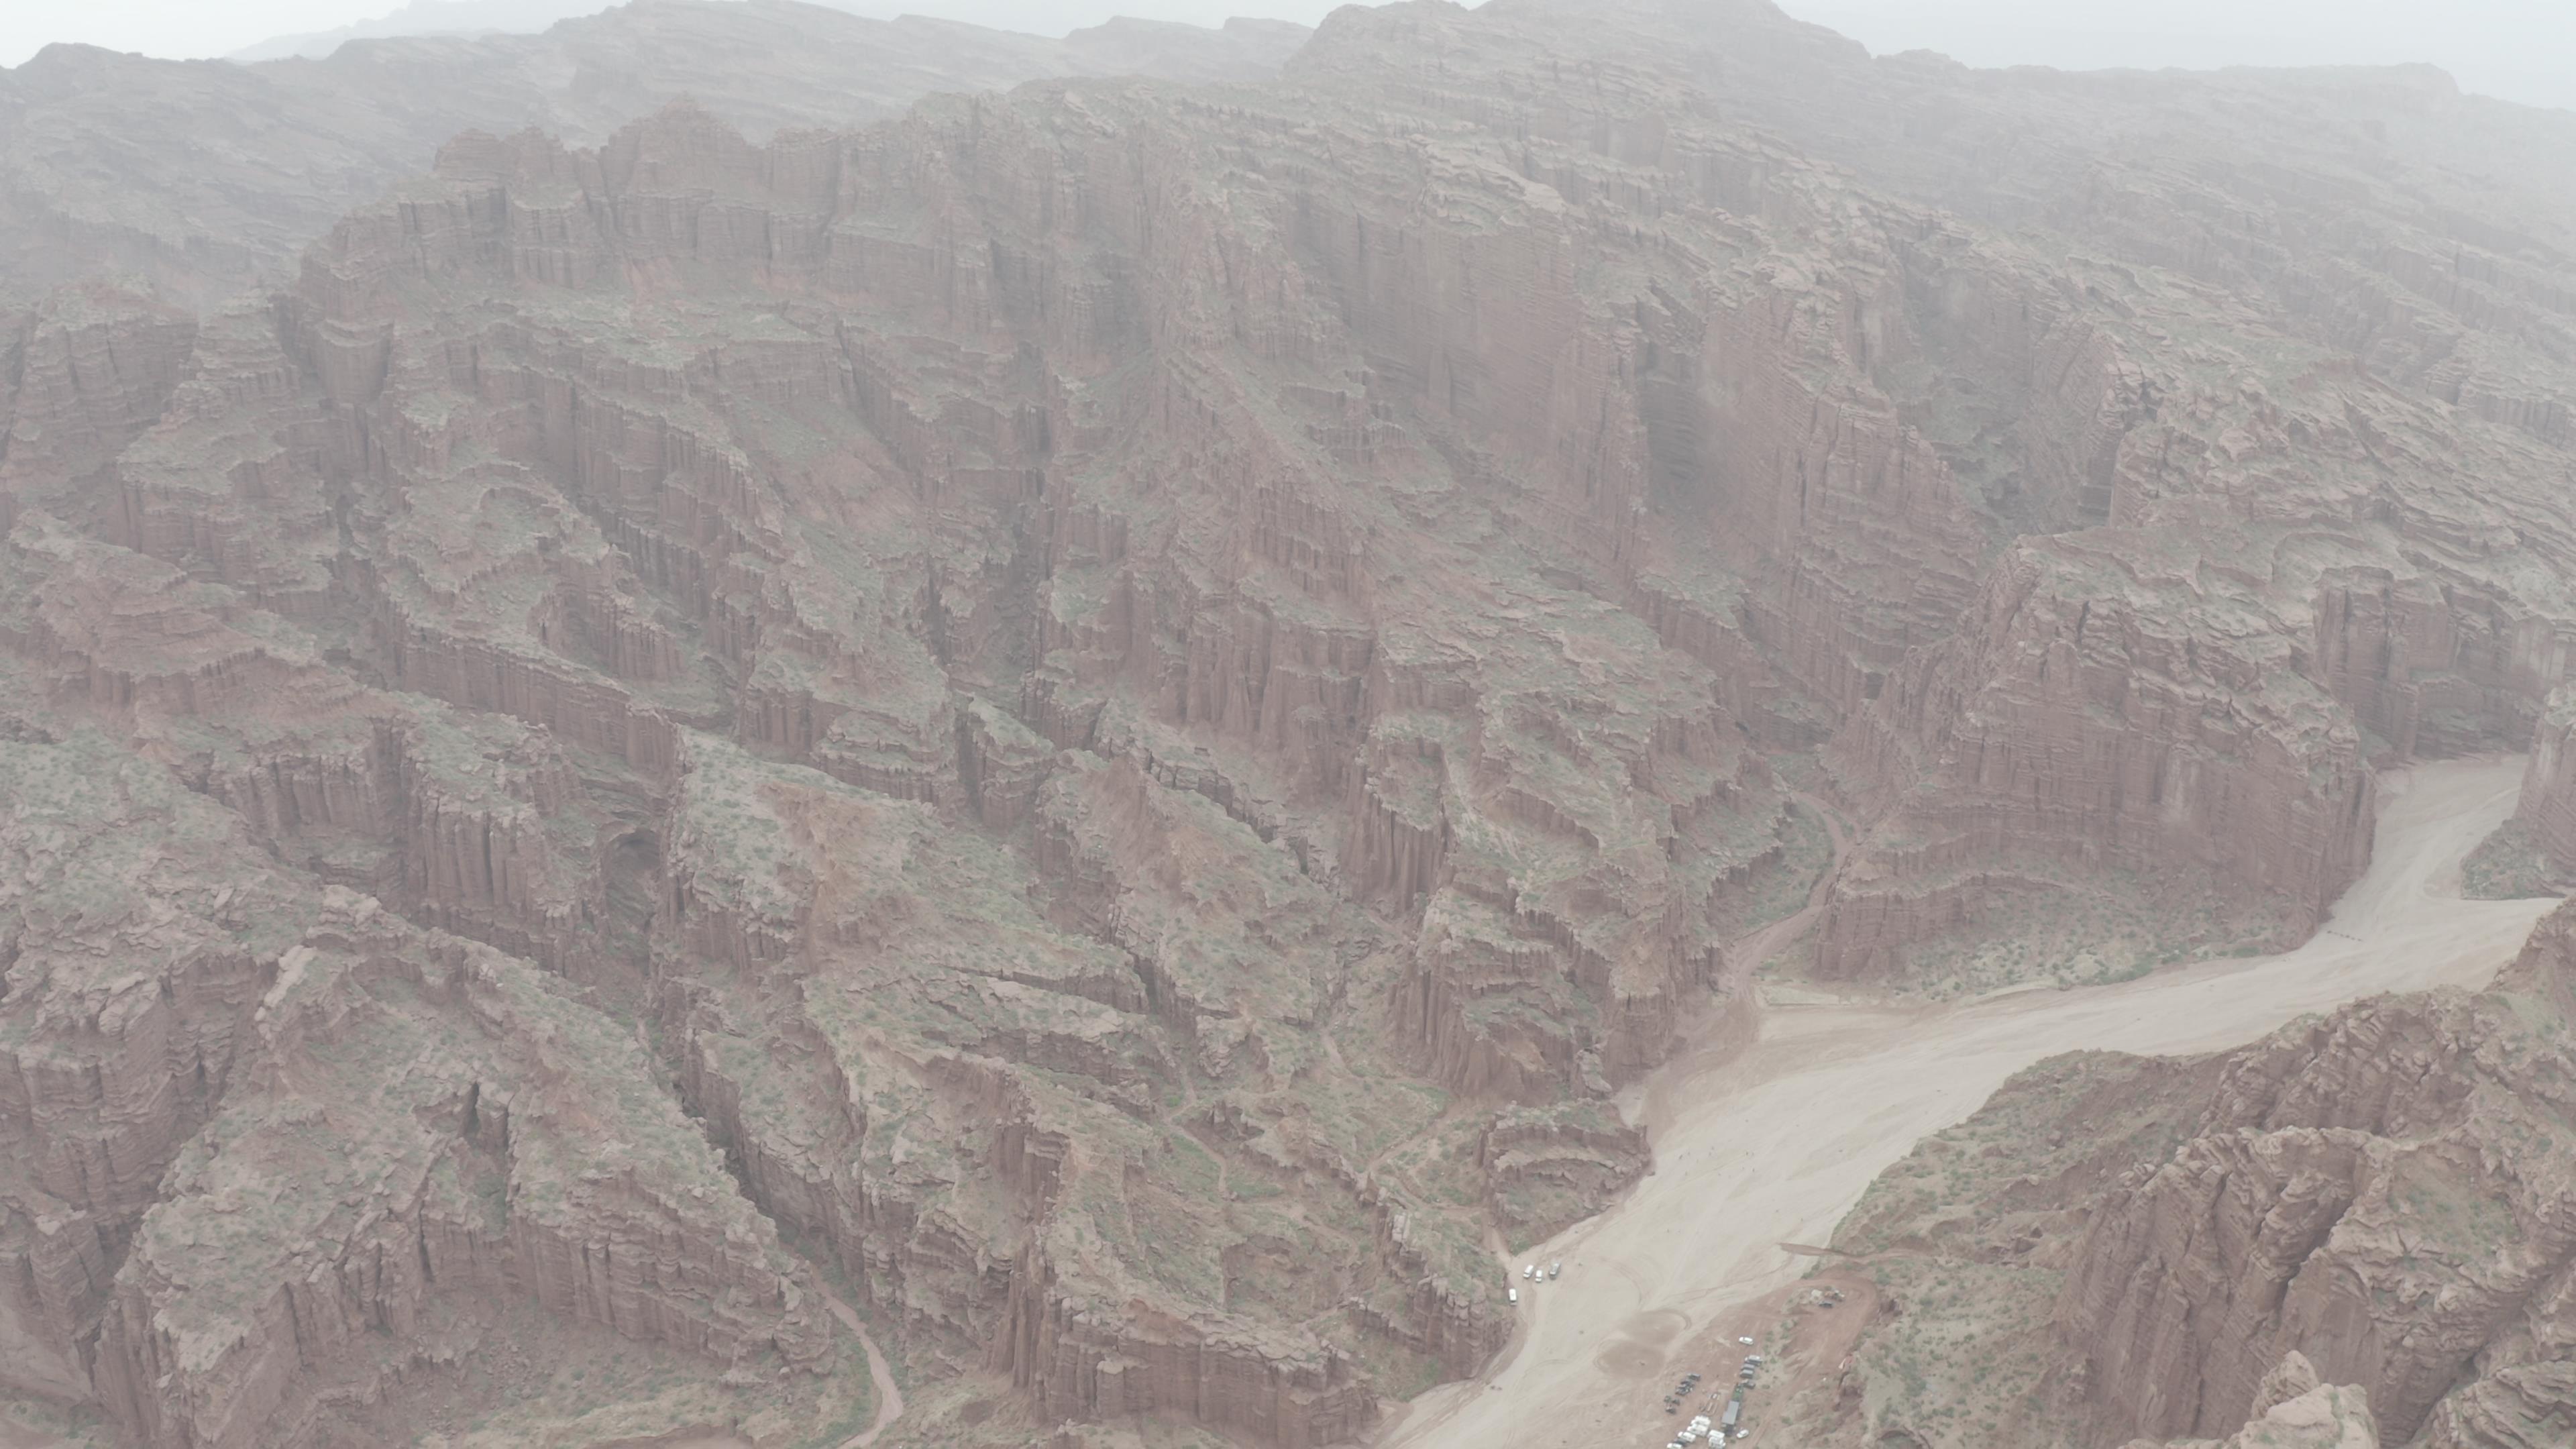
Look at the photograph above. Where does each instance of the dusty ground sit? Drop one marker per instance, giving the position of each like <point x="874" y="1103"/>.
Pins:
<point x="1774" y="1143"/>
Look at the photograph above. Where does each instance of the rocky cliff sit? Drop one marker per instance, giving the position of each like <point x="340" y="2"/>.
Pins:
<point x="259" y="1124"/>
<point x="2379" y="1191"/>
<point x="2124" y="1247"/>
<point x="2547" y="815"/>
<point x="2380" y="332"/>
<point x="2294" y="1410"/>
<point x="1117" y="712"/>
<point x="205" y="178"/>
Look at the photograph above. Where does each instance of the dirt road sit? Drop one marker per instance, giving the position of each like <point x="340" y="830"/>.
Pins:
<point x="1775" y="1142"/>
<point x="889" y="1398"/>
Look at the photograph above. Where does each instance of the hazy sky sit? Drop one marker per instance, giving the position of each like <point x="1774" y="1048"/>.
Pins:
<point x="2521" y="49"/>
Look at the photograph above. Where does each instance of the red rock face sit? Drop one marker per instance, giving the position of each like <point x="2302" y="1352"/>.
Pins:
<point x="1131" y="704"/>
<point x="2069" y="723"/>
<point x="204" y="180"/>
<point x="2350" y="1195"/>
<point x="2548" y="803"/>
<point x="2345" y="357"/>
<point x="243" y="1166"/>
<point x="2159" y="1251"/>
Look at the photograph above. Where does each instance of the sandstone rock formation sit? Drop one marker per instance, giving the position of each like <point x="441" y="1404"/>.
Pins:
<point x="1114" y="714"/>
<point x="2192" y="691"/>
<point x="257" y="1123"/>
<point x="1551" y="1167"/>
<point x="2548" y="811"/>
<point x="2093" y="600"/>
<point x="206" y="178"/>
<point x="2293" y="1410"/>
<point x="2375" y="1199"/>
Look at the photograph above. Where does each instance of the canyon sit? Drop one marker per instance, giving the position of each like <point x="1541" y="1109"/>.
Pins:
<point x="1973" y="1233"/>
<point x="2368" y="1197"/>
<point x="695" y="697"/>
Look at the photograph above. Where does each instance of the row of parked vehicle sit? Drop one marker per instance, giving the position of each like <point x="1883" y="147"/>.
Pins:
<point x="1673" y="1400"/>
<point x="1729" y="1424"/>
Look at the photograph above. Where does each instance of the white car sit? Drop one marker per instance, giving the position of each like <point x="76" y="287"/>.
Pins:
<point x="1748" y="1343"/>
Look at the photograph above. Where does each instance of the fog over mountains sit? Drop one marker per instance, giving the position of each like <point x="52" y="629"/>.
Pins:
<point x="1576" y="723"/>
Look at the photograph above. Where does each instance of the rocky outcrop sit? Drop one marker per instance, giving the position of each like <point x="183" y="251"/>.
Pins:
<point x="90" y="368"/>
<point x="2079" y="417"/>
<point x="1001" y="764"/>
<point x="135" y="1060"/>
<point x="123" y="165"/>
<point x="2370" y="1198"/>
<point x="1551" y="1168"/>
<point x="512" y="1182"/>
<point x="2081" y="721"/>
<point x="1077" y="1365"/>
<point x="2293" y="1410"/>
<point x="2341" y="1173"/>
<point x="1139" y="701"/>
<point x="472" y="824"/>
<point x="309" y="1123"/>
<point x="2548" y="807"/>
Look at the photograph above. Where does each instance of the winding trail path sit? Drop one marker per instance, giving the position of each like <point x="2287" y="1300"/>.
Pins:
<point x="889" y="1397"/>
<point x="1653" y="1105"/>
<point x="1773" y="1141"/>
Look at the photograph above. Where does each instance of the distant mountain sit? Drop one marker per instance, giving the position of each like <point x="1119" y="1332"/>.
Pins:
<point x="474" y="18"/>
<point x="427" y="17"/>
<point x="1042" y="17"/>
<point x="200" y="178"/>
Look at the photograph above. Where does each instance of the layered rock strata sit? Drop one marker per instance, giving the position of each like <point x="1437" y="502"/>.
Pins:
<point x="1141" y="700"/>
<point x="2294" y="1410"/>
<point x="260" y="1125"/>
<point x="2374" y="1198"/>
<point x="2092" y="599"/>
<point x="206" y="178"/>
